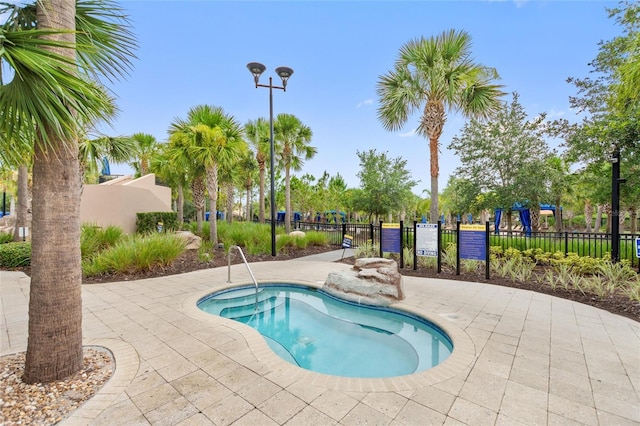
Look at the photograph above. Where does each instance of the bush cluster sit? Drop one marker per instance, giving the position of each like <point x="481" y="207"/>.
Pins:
<point x="15" y="255"/>
<point x="147" y="223"/>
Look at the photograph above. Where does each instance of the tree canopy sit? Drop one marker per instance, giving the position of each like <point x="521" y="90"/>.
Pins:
<point x="385" y="184"/>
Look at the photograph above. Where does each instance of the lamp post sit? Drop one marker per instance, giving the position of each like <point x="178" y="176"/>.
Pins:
<point x="615" y="204"/>
<point x="284" y="73"/>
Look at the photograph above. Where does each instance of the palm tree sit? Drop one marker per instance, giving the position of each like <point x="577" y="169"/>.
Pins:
<point x="247" y="169"/>
<point x="292" y="139"/>
<point x="258" y="133"/>
<point x="172" y="173"/>
<point x="436" y="75"/>
<point x="93" y="151"/>
<point x="213" y="139"/>
<point x="146" y="146"/>
<point x="54" y="94"/>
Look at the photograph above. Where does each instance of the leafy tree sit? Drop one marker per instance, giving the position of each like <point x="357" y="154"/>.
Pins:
<point x="293" y="149"/>
<point x="609" y="100"/>
<point x="436" y="75"/>
<point x="505" y="157"/>
<point x="385" y="184"/>
<point x="53" y="95"/>
<point x="558" y="173"/>
<point x="303" y="194"/>
<point x="460" y="196"/>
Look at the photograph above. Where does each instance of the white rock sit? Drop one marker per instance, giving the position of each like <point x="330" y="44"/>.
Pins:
<point x="374" y="281"/>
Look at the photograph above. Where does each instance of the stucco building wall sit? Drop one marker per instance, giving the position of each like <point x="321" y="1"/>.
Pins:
<point x="117" y="201"/>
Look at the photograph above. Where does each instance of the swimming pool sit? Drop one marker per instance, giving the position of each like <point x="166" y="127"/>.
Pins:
<point x="316" y="331"/>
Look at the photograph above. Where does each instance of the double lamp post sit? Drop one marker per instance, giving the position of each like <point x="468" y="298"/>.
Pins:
<point x="284" y="73"/>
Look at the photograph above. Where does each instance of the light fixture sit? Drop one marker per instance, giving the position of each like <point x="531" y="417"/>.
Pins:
<point x="284" y="73"/>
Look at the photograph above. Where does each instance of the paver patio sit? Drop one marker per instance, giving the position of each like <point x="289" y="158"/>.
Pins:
<point x="519" y="358"/>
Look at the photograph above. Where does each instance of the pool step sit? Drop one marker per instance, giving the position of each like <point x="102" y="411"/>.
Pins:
<point x="248" y="307"/>
<point x="233" y="299"/>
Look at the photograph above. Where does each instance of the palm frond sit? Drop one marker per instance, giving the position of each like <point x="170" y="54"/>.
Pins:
<point x="105" y="44"/>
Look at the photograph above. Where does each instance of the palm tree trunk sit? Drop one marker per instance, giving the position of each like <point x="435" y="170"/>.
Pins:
<point x="229" y="190"/>
<point x="54" y="349"/>
<point x="588" y="213"/>
<point x="197" y="194"/>
<point x="599" y="209"/>
<point x="212" y="187"/>
<point x="262" y="183"/>
<point x="23" y="202"/>
<point x="248" y="217"/>
<point x="558" y="217"/>
<point x="434" y="171"/>
<point x="287" y="201"/>
<point x="180" y="204"/>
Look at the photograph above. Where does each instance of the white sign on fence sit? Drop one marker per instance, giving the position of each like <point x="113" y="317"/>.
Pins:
<point x="427" y="239"/>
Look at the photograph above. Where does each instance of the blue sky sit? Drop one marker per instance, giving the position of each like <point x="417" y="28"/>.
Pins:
<point x="195" y="52"/>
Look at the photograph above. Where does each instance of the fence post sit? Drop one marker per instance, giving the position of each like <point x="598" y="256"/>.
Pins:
<point x="439" y="247"/>
<point x="371" y="233"/>
<point x="380" y="240"/>
<point x="401" y="244"/>
<point x="566" y="244"/>
<point x="415" y="242"/>
<point x="487" y="252"/>
<point x="458" y="248"/>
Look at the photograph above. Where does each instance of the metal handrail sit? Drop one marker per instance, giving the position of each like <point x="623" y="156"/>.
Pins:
<point x="244" y="259"/>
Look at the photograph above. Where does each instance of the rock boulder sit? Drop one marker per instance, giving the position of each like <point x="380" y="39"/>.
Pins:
<point x="374" y="281"/>
<point x="193" y="241"/>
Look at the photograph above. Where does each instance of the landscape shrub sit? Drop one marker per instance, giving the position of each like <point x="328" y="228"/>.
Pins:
<point x="5" y="237"/>
<point x="94" y="239"/>
<point x="15" y="255"/>
<point x="147" y="223"/>
<point x="136" y="253"/>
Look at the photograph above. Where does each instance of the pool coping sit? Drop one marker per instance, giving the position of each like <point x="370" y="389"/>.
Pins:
<point x="461" y="359"/>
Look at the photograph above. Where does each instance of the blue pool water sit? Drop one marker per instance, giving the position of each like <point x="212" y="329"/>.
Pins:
<point x="314" y="330"/>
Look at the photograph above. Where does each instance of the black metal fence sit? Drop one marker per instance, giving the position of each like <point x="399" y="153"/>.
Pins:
<point x="597" y="245"/>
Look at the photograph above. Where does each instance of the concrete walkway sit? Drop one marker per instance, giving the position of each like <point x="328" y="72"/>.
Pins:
<point x="519" y="358"/>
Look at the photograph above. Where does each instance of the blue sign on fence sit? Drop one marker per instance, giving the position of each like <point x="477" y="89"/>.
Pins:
<point x="473" y="242"/>
<point x="390" y="236"/>
<point x="638" y="247"/>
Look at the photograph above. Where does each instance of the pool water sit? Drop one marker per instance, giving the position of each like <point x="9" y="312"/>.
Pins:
<point x="316" y="331"/>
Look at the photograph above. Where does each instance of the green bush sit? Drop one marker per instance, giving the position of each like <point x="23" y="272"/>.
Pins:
<point x="147" y="223"/>
<point x="94" y="239"/>
<point x="315" y="238"/>
<point x="135" y="254"/>
<point x="5" y="237"/>
<point x="15" y="255"/>
<point x="367" y="249"/>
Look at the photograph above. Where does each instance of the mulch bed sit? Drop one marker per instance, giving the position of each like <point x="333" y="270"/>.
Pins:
<point x="617" y="304"/>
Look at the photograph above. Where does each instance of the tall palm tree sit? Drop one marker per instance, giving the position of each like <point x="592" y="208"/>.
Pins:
<point x="172" y="172"/>
<point x="436" y="75"/>
<point x="53" y="95"/>
<point x="213" y="139"/>
<point x="292" y="140"/>
<point x="248" y="167"/>
<point x="179" y="156"/>
<point x="258" y="133"/>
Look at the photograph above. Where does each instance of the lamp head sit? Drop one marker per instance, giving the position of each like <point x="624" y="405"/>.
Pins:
<point x="256" y="68"/>
<point x="284" y="73"/>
